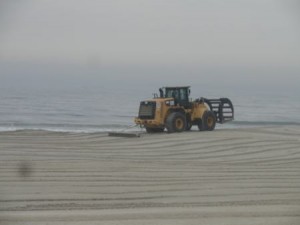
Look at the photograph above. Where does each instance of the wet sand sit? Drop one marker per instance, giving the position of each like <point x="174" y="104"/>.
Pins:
<point x="234" y="177"/>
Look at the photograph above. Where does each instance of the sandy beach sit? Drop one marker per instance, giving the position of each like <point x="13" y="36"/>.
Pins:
<point x="233" y="177"/>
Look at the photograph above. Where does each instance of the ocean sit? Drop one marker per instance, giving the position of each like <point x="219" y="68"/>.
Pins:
<point x="102" y="108"/>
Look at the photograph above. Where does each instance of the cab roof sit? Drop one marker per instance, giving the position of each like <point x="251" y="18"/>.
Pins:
<point x="174" y="87"/>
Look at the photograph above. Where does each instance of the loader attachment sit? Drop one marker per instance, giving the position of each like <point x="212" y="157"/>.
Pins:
<point x="222" y="108"/>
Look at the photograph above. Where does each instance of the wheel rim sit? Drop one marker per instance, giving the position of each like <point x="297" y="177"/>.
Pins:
<point x="210" y="121"/>
<point x="179" y="124"/>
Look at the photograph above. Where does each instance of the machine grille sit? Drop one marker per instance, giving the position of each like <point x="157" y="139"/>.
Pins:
<point x="147" y="110"/>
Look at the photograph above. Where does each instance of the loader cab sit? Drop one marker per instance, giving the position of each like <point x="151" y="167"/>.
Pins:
<point x="180" y="95"/>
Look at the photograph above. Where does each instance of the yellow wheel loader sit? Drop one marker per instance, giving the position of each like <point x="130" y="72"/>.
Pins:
<point x="172" y="110"/>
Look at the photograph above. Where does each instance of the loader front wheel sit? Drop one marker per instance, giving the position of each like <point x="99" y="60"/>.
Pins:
<point x="208" y="121"/>
<point x="176" y="122"/>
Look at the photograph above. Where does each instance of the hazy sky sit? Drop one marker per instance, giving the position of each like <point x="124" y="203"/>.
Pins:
<point x="190" y="40"/>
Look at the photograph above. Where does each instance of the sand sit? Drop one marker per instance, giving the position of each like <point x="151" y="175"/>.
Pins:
<point x="234" y="177"/>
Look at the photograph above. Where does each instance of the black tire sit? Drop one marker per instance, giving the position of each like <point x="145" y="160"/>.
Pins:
<point x="154" y="130"/>
<point x="201" y="126"/>
<point x="176" y="122"/>
<point x="208" y="121"/>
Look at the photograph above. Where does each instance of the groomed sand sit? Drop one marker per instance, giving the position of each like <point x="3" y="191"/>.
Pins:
<point x="232" y="177"/>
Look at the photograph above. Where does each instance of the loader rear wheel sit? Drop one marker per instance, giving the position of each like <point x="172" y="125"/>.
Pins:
<point x="154" y="130"/>
<point x="176" y="122"/>
<point x="208" y="121"/>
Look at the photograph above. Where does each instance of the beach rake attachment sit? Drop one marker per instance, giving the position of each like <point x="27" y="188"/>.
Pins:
<point x="222" y="108"/>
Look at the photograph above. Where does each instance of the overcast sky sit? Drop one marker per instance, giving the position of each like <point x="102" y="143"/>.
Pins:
<point x="167" y="39"/>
